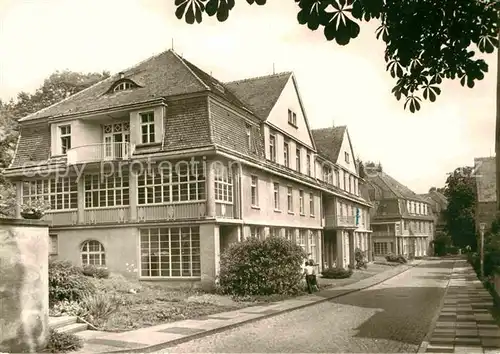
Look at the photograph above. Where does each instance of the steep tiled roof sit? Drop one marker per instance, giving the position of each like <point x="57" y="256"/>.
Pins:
<point x="434" y="197"/>
<point x="329" y="141"/>
<point x="162" y="75"/>
<point x="390" y="188"/>
<point x="260" y="93"/>
<point x="485" y="179"/>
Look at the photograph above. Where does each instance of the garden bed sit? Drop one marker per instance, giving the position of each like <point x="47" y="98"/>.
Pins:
<point x="357" y="275"/>
<point x="143" y="304"/>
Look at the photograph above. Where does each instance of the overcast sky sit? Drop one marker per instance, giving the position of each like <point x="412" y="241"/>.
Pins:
<point x="345" y="85"/>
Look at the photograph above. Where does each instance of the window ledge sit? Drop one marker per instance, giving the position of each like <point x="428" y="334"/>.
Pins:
<point x="312" y="215"/>
<point x="302" y="214"/>
<point x="147" y="145"/>
<point x="256" y="207"/>
<point x="291" y="212"/>
<point x="293" y="125"/>
<point x="277" y="211"/>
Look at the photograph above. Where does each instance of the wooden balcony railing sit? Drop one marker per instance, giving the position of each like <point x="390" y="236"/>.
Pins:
<point x="61" y="218"/>
<point x="383" y="234"/>
<point x="99" y="152"/>
<point x="182" y="211"/>
<point x="106" y="215"/>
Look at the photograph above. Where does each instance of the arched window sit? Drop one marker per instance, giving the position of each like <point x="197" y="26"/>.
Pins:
<point x="93" y="253"/>
<point x="123" y="86"/>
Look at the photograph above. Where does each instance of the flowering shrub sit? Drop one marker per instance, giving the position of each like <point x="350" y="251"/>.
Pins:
<point x="67" y="282"/>
<point x="95" y="271"/>
<point x="35" y="207"/>
<point x="261" y="267"/>
<point x="360" y="258"/>
<point x="62" y="342"/>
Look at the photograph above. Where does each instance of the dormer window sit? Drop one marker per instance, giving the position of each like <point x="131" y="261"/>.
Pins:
<point x="123" y="86"/>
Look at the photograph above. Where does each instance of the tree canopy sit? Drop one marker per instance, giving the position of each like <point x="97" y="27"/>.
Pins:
<point x="55" y="88"/>
<point x="461" y="194"/>
<point x="426" y="41"/>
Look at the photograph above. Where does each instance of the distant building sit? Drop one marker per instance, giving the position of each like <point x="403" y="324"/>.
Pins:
<point x="438" y="203"/>
<point x="486" y="198"/>
<point x="402" y="221"/>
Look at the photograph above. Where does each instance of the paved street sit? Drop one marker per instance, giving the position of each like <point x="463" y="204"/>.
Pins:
<point x="391" y="317"/>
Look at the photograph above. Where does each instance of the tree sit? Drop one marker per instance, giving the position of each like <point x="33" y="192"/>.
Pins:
<point x="56" y="87"/>
<point x="461" y="193"/>
<point x="426" y="40"/>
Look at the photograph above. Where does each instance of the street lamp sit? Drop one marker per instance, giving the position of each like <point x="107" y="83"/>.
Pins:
<point x="482" y="226"/>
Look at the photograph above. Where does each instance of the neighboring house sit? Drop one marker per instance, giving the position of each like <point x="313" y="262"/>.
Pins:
<point x="438" y="203"/>
<point x="402" y="221"/>
<point x="154" y="171"/>
<point x="347" y="219"/>
<point x="486" y="198"/>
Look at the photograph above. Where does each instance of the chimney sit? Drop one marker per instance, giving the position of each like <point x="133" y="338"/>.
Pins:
<point x="122" y="75"/>
<point x="333" y="123"/>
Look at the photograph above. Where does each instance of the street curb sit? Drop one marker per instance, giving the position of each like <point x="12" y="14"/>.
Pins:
<point x="188" y="338"/>
<point x="425" y="342"/>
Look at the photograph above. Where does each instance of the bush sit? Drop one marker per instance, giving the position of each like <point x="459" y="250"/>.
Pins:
<point x="67" y="308"/>
<point x="391" y="257"/>
<point x="95" y="271"/>
<point x="67" y="282"/>
<point x="261" y="267"/>
<point x="360" y="258"/>
<point x="336" y="273"/>
<point x="62" y="342"/>
<point x="452" y="250"/>
<point x="441" y="243"/>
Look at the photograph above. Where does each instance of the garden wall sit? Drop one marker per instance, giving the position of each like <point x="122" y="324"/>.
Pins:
<point x="24" y="296"/>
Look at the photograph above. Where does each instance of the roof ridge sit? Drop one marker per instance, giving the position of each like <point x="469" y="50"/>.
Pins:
<point x="259" y="77"/>
<point x="328" y="128"/>
<point x="183" y="61"/>
<point x="98" y="82"/>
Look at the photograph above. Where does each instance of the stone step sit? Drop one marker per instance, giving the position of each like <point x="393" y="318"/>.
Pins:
<point x="72" y="328"/>
<point x="58" y="322"/>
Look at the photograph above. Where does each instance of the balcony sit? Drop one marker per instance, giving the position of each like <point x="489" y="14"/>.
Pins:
<point x="340" y="221"/>
<point x="99" y="152"/>
<point x="383" y="234"/>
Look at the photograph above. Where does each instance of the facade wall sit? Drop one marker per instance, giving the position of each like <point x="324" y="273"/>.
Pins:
<point x="485" y="212"/>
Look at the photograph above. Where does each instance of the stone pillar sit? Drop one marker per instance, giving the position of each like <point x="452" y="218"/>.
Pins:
<point x="340" y="249"/>
<point x="210" y="190"/>
<point x="352" y="249"/>
<point x="81" y="199"/>
<point x="265" y="233"/>
<point x="24" y="285"/>
<point x="319" y="248"/>
<point x="19" y="199"/>
<point x="132" y="185"/>
<point x="210" y="254"/>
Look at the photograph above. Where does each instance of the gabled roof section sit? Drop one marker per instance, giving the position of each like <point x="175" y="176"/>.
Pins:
<point x="390" y="188"/>
<point x="329" y="141"/>
<point x="260" y="93"/>
<point x="485" y="179"/>
<point x="436" y="197"/>
<point x="163" y="75"/>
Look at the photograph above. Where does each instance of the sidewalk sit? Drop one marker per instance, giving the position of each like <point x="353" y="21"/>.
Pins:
<point x="157" y="337"/>
<point x="464" y="324"/>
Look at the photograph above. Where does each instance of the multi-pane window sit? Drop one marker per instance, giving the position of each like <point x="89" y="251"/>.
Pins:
<point x="289" y="234"/>
<point x="276" y="194"/>
<point x="254" y="187"/>
<point x="223" y="184"/>
<point x="297" y="160"/>
<point x="148" y="127"/>
<point x="327" y="174"/>
<point x="275" y="231"/>
<point x="380" y="248"/>
<point x="272" y="147"/>
<point x="308" y="163"/>
<point x="312" y="244"/>
<point x="123" y="86"/>
<point x="292" y="118"/>
<point x="65" y="134"/>
<point x="92" y="253"/>
<point x="254" y="231"/>
<point x="346" y="156"/>
<point x="346" y="176"/>
<point x="170" y="184"/>
<point x="61" y="194"/>
<point x="286" y="154"/>
<point x="311" y="204"/>
<point x="301" y="202"/>
<point x="170" y="252"/>
<point x="337" y="177"/>
<point x="290" y="199"/>
<point x="106" y="191"/>
<point x="301" y="239"/>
